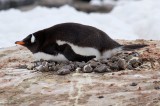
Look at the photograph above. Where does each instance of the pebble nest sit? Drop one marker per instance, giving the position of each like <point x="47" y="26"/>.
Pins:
<point x="118" y="62"/>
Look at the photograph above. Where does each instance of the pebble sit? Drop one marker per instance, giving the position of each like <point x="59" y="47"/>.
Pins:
<point x="157" y="87"/>
<point x="100" y="68"/>
<point x="30" y="67"/>
<point x="104" y="61"/>
<point x="87" y="69"/>
<point x="113" y="59"/>
<point x="39" y="68"/>
<point x="78" y="70"/>
<point x="100" y="97"/>
<point x="120" y="61"/>
<point x="122" y="64"/>
<point x="133" y="84"/>
<point x="94" y="64"/>
<point x="63" y="71"/>
<point x="46" y="68"/>
<point x="135" y="63"/>
<point x="81" y="64"/>
<point x="67" y="67"/>
<point x="130" y="67"/>
<point x="114" y="66"/>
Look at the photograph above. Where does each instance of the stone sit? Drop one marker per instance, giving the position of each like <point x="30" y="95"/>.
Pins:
<point x="46" y="68"/>
<point x="157" y="87"/>
<point x="114" y="66"/>
<point x="133" y="84"/>
<point x="72" y="65"/>
<point x="135" y="54"/>
<point x="39" y="68"/>
<point x="30" y="66"/>
<point x="100" y="68"/>
<point x="94" y="64"/>
<point x="87" y="69"/>
<point x="100" y="97"/>
<point x="135" y="63"/>
<point x="129" y="67"/>
<point x="104" y="61"/>
<point x="78" y="70"/>
<point x="67" y="67"/>
<point x="38" y="63"/>
<point x="63" y="71"/>
<point x="122" y="64"/>
<point x="22" y="66"/>
<point x="113" y="59"/>
<point x="128" y="57"/>
<point x="81" y="64"/>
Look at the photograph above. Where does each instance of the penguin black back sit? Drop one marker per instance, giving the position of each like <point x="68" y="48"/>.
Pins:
<point x="81" y="35"/>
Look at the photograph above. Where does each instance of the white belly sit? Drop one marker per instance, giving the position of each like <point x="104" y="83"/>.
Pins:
<point x="45" y="56"/>
<point x="85" y="51"/>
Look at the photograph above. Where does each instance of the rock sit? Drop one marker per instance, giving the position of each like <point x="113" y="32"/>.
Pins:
<point x="22" y="66"/>
<point x="46" y="68"/>
<point x="81" y="64"/>
<point x="58" y="66"/>
<point x="30" y="66"/>
<point x="129" y="57"/>
<point x="63" y="71"/>
<point x="44" y="63"/>
<point x="133" y="84"/>
<point x="54" y="68"/>
<point x="157" y="87"/>
<point x="122" y="64"/>
<point x="38" y="63"/>
<point x="67" y="67"/>
<point x="39" y="68"/>
<point x="50" y="68"/>
<point x="94" y="64"/>
<point x="114" y="58"/>
<point x="100" y="97"/>
<point x="114" y="66"/>
<point x="72" y="65"/>
<point x="100" y="68"/>
<point x="87" y="69"/>
<point x="78" y="70"/>
<point x="130" y="67"/>
<point x="104" y="61"/>
<point x="135" y="54"/>
<point x="135" y="63"/>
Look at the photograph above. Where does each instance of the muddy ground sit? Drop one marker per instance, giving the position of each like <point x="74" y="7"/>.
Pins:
<point x="22" y="87"/>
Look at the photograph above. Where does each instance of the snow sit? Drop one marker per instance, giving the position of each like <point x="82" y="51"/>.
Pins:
<point x="131" y="20"/>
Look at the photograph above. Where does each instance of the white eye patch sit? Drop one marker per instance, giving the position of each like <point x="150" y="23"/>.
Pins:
<point x="33" y="38"/>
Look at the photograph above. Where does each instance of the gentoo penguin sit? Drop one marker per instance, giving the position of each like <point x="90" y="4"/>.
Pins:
<point x="73" y="42"/>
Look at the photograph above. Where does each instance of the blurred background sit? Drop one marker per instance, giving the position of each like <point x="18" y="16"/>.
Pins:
<point x="81" y="5"/>
<point x="120" y="19"/>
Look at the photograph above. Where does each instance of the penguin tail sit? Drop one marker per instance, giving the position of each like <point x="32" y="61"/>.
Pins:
<point x="133" y="47"/>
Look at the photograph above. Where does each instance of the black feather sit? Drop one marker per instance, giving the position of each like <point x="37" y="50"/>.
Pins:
<point x="134" y="46"/>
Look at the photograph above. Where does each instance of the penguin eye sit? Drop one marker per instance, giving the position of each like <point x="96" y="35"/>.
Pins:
<point x="33" y="39"/>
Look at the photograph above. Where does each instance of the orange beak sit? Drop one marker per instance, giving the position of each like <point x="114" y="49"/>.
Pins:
<point x="20" y="42"/>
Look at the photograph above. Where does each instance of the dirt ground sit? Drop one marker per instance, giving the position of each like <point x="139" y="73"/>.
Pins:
<point x="22" y="87"/>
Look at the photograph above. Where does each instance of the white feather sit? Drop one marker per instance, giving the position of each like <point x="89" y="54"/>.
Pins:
<point x="44" y="56"/>
<point x="109" y="53"/>
<point x="85" y="51"/>
<point x="33" y="38"/>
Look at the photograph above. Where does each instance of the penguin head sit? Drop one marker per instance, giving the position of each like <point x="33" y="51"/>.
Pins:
<point x="31" y="42"/>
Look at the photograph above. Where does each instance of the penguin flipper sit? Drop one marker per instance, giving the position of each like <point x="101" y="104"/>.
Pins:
<point x="52" y="50"/>
<point x="72" y="56"/>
